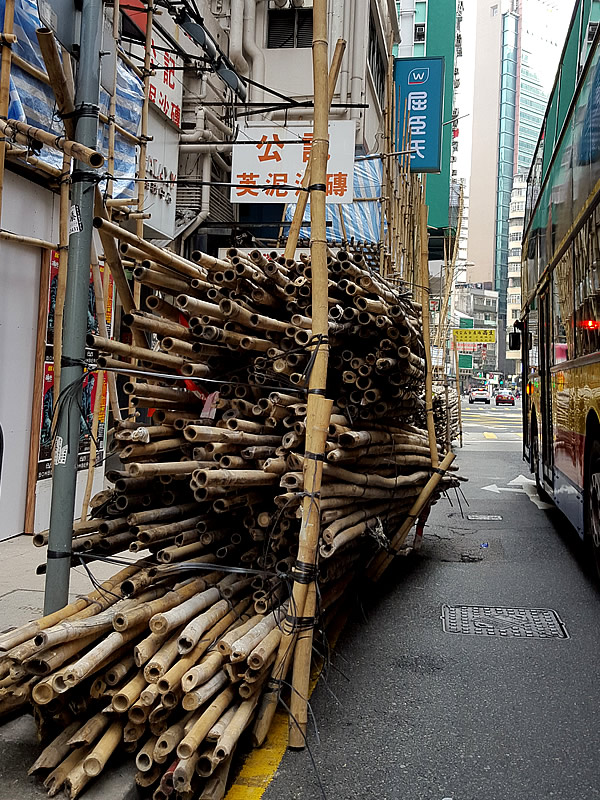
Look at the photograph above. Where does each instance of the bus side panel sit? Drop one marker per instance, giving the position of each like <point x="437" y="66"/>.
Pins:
<point x="569" y="435"/>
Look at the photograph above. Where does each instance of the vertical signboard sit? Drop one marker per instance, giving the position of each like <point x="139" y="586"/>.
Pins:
<point x="419" y="88"/>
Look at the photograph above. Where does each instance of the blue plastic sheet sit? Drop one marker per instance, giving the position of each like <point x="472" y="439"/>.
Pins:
<point x="33" y="101"/>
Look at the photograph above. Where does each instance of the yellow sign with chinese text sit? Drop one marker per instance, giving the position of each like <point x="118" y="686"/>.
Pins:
<point x="483" y="335"/>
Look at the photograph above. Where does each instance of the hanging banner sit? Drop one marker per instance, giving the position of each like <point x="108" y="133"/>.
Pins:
<point x="419" y="88"/>
<point x="269" y="163"/>
<point x="474" y="335"/>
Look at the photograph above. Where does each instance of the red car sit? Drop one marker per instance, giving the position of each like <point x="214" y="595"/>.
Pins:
<point x="505" y="397"/>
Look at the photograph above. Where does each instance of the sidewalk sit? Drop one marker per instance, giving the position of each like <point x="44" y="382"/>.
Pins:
<point x="21" y="600"/>
<point x="22" y="591"/>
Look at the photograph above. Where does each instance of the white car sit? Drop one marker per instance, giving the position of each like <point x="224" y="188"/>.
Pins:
<point x="480" y="396"/>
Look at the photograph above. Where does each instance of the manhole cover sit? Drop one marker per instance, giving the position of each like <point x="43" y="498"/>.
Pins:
<point x="522" y="623"/>
<point x="484" y="517"/>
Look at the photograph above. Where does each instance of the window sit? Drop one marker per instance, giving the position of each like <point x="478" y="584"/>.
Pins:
<point x="587" y="287"/>
<point x="419" y="33"/>
<point x="376" y="62"/>
<point x="290" y="27"/>
<point x="494" y="11"/>
<point x="514" y="314"/>
<point x="515" y="237"/>
<point x="514" y="252"/>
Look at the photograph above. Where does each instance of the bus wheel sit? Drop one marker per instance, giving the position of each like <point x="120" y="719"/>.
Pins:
<point x="592" y="506"/>
<point x="535" y="465"/>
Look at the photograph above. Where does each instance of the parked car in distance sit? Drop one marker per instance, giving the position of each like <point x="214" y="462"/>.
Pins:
<point x="480" y="395"/>
<point x="505" y="397"/>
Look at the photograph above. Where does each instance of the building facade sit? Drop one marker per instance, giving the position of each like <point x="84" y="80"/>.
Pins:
<point x="198" y="100"/>
<point x="515" y="238"/>
<point x="516" y="47"/>
<point x="432" y="28"/>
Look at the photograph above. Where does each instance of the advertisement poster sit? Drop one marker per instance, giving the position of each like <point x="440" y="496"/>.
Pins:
<point x="89" y="387"/>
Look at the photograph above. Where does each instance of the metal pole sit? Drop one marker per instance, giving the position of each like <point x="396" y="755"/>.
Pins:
<point x="75" y="313"/>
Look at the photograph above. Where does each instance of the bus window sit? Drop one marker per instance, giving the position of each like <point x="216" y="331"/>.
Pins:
<point x="587" y="287"/>
<point x="563" y="303"/>
<point x="534" y="357"/>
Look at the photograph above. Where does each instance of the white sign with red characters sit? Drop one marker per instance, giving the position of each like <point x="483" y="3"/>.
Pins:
<point x="166" y="89"/>
<point x="269" y="163"/>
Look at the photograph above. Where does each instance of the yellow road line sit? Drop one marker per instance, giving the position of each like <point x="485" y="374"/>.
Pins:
<point x="489" y="435"/>
<point x="262" y="763"/>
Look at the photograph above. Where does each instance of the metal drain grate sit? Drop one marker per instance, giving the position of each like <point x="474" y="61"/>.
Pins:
<point x="520" y="623"/>
<point x="484" y="517"/>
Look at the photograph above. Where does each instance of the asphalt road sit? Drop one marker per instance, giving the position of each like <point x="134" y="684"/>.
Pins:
<point x="410" y="712"/>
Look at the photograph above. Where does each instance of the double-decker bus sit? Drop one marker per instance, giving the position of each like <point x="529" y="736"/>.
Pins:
<point x="560" y="321"/>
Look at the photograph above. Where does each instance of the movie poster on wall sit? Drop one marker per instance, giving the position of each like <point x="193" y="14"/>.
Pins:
<point x="89" y="387"/>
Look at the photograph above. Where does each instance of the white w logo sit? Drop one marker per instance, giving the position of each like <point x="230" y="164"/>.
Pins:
<point x="418" y="76"/>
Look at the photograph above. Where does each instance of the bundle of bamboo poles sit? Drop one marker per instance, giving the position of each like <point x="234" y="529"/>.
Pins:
<point x="446" y="412"/>
<point x="175" y="656"/>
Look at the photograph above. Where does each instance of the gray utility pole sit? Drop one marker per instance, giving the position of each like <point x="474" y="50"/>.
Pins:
<point x="87" y="95"/>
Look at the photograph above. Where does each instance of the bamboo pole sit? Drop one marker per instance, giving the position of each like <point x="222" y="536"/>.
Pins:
<point x="84" y="154"/>
<point x="294" y="231"/>
<point x="60" y="79"/>
<point x="384" y="559"/>
<point x="424" y="282"/>
<point x="5" y="64"/>
<point x="36" y="405"/>
<point x="319" y="408"/>
<point x="457" y="370"/>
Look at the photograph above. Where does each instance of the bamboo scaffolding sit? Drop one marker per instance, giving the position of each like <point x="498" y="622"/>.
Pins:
<point x="246" y="486"/>
<point x="5" y="65"/>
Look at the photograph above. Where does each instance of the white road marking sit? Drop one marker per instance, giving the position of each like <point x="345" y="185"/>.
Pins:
<point x="520" y="485"/>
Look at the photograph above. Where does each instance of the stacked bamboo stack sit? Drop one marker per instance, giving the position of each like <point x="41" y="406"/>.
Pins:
<point x="172" y="656"/>
<point x="446" y="412"/>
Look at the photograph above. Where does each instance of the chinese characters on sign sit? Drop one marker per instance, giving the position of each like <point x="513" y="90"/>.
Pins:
<point x="419" y="86"/>
<point x="166" y="90"/>
<point x="474" y="335"/>
<point x="271" y="168"/>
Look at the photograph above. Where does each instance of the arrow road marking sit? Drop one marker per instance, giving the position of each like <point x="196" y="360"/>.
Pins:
<point x="521" y="485"/>
<point x="521" y="481"/>
<point x="497" y="489"/>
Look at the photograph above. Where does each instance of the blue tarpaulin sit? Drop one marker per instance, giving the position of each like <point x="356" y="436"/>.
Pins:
<point x="33" y="101"/>
<point x="362" y="218"/>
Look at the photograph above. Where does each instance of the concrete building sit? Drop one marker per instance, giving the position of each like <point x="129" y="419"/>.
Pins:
<point x="480" y="302"/>
<point x="432" y="28"/>
<point x="509" y="106"/>
<point x="515" y="238"/>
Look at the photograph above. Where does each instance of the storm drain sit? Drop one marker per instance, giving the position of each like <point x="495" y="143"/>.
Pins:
<point x="521" y="623"/>
<point x="484" y="517"/>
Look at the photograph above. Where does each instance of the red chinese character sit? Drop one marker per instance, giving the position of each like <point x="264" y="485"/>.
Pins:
<point x="268" y="155"/>
<point x="279" y="179"/>
<point x="152" y="93"/>
<point x="175" y="114"/>
<point x="169" y="72"/>
<point x="337" y="184"/>
<point x="248" y="179"/>
<point x="307" y="140"/>
<point x="163" y="103"/>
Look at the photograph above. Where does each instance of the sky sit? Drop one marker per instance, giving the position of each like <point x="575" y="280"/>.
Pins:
<point x="555" y="21"/>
